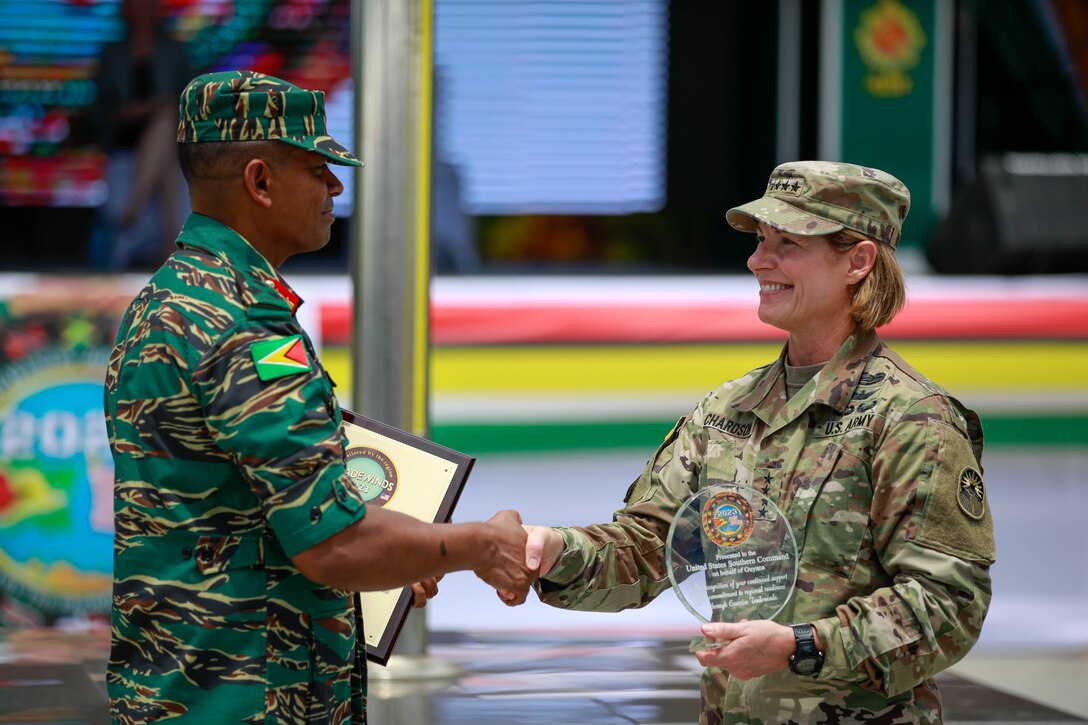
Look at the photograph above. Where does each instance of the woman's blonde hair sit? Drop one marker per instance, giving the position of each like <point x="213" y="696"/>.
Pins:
<point x="877" y="298"/>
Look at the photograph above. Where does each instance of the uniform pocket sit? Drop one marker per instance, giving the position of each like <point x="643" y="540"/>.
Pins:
<point x="217" y="554"/>
<point x="176" y="621"/>
<point x="333" y="639"/>
<point x="719" y="461"/>
<point x="835" y="494"/>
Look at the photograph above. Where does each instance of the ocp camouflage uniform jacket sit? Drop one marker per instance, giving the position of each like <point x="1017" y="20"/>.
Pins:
<point x="221" y="477"/>
<point x="868" y="461"/>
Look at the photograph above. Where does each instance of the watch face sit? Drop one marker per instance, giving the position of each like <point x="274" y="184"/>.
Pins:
<point x="805" y="665"/>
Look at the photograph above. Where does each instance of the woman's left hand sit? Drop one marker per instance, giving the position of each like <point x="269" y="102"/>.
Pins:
<point x="424" y="590"/>
<point x="749" y="649"/>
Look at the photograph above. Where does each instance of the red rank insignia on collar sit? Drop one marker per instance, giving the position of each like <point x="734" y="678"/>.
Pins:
<point x="288" y="294"/>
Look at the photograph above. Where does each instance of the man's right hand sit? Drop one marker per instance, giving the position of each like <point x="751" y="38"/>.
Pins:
<point x="387" y="549"/>
<point x="506" y="570"/>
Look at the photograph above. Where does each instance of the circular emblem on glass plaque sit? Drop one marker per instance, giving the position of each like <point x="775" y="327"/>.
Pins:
<point x="727" y="518"/>
<point x="731" y="555"/>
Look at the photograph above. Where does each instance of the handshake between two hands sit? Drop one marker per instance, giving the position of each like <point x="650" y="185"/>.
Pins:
<point x="517" y="555"/>
<point x="520" y="554"/>
<point x="528" y="554"/>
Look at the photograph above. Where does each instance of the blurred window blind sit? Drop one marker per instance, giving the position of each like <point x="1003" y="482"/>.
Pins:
<point x="553" y="106"/>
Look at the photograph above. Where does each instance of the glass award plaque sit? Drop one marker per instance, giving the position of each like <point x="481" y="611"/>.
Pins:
<point x="731" y="555"/>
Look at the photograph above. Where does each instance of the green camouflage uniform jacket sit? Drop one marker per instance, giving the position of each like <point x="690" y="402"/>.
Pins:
<point x="877" y="470"/>
<point x="229" y="454"/>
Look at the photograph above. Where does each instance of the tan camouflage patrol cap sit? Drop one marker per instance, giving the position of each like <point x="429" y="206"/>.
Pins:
<point x="813" y="198"/>
<point x="246" y="106"/>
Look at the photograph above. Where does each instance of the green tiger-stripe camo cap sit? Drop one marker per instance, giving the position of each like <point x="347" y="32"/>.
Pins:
<point x="244" y="105"/>
<point x="814" y="198"/>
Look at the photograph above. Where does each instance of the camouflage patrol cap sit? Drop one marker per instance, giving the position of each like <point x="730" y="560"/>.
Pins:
<point x="813" y="198"/>
<point x="247" y="106"/>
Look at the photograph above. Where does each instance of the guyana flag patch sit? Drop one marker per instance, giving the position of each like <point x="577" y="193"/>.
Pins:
<point x="279" y="357"/>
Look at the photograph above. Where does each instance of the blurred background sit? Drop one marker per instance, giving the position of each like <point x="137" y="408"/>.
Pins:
<point x="577" y="136"/>
<point x="587" y="290"/>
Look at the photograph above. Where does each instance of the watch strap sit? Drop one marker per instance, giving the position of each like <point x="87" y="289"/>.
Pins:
<point x="806" y="659"/>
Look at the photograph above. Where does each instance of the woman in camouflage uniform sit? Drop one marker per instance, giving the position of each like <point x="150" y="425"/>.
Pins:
<point x="876" y="468"/>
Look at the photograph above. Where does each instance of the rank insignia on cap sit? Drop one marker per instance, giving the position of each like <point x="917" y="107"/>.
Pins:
<point x="972" y="494"/>
<point x="279" y="357"/>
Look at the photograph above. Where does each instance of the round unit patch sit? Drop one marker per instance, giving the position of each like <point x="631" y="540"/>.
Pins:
<point x="727" y="518"/>
<point x="373" y="473"/>
<point x="972" y="494"/>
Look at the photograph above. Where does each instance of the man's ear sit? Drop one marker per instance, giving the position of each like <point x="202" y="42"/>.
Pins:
<point x="257" y="177"/>
<point x="862" y="257"/>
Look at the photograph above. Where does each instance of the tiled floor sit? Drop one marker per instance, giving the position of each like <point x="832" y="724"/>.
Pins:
<point x="499" y="679"/>
<point x="515" y="679"/>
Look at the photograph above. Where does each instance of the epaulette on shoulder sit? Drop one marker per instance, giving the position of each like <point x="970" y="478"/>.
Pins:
<point x="907" y="369"/>
<point x="958" y="414"/>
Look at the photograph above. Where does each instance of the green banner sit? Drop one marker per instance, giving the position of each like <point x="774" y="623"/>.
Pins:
<point x="894" y="107"/>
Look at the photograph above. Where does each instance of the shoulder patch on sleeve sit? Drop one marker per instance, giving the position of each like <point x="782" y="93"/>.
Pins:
<point x="972" y="494"/>
<point x="280" y="356"/>
<point x="956" y="517"/>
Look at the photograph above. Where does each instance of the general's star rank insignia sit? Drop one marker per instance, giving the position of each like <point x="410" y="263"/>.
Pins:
<point x="279" y="357"/>
<point x="972" y="495"/>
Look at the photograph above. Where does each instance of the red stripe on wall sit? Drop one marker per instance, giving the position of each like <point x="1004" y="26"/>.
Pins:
<point x="466" y="324"/>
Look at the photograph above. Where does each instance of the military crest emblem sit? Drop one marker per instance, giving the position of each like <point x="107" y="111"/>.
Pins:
<point x="972" y="494"/>
<point x="727" y="518"/>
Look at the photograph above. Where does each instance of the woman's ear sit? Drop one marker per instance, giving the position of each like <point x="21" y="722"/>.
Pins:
<point x="862" y="257"/>
<point x="257" y="177"/>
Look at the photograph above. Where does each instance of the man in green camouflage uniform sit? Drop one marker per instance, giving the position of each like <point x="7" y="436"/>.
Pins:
<point x="239" y="534"/>
<point x="876" y="468"/>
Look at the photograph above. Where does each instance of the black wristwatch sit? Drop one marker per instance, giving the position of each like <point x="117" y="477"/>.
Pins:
<point x="806" y="660"/>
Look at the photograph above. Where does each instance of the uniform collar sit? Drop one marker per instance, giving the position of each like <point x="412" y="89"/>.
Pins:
<point x="834" y="385"/>
<point x="215" y="238"/>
